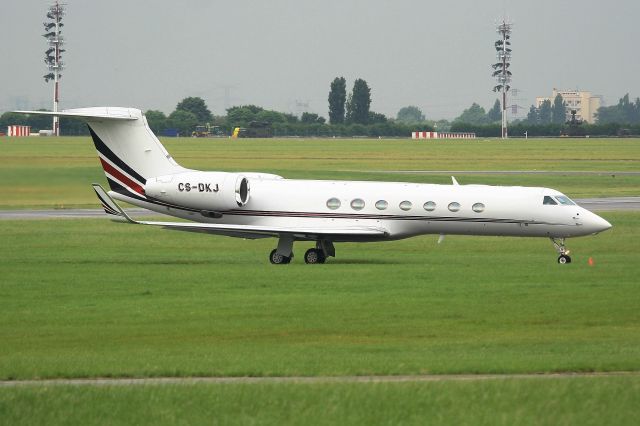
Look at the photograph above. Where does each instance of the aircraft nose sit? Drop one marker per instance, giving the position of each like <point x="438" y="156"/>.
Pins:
<point x="598" y="224"/>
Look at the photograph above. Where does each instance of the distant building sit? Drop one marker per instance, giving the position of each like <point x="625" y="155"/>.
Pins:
<point x="585" y="104"/>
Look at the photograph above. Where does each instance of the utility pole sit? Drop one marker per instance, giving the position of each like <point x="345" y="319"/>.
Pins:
<point x="53" y="55"/>
<point x="501" y="68"/>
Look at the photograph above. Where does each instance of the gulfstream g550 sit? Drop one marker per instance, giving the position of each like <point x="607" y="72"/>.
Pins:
<point x="257" y="205"/>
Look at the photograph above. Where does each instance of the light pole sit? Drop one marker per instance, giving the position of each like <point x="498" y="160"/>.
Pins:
<point x="501" y="69"/>
<point x="53" y="55"/>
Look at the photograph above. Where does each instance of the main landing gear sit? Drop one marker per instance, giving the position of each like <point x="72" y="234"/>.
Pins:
<point x="278" y="259"/>
<point x="284" y="253"/>
<point x="564" y="257"/>
<point x="313" y="255"/>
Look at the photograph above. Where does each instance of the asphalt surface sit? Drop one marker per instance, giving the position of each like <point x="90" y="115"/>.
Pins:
<point x="611" y="173"/>
<point x="594" y="204"/>
<point x="302" y="380"/>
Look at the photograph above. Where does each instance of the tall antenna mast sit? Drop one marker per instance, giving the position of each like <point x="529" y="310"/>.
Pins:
<point x="501" y="68"/>
<point x="53" y="55"/>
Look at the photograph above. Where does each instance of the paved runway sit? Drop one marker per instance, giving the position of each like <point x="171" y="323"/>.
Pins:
<point x="594" y="204"/>
<point x="612" y="173"/>
<point x="306" y="379"/>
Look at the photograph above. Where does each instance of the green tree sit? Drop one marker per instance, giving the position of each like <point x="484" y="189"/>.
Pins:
<point x="184" y="121"/>
<point x="410" y="114"/>
<point x="337" y="99"/>
<point x="311" y="118"/>
<point x="495" y="113"/>
<point x="360" y="102"/>
<point x="544" y="112"/>
<point x="242" y="115"/>
<point x="348" y="116"/>
<point x="271" y="116"/>
<point x="376" y="118"/>
<point x="558" y="111"/>
<point x="625" y="112"/>
<point x="197" y="107"/>
<point x="475" y="114"/>
<point x="157" y="120"/>
<point x="532" y="116"/>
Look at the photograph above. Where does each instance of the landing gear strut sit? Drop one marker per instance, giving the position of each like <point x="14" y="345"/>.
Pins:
<point x="284" y="253"/>
<point x="564" y="257"/>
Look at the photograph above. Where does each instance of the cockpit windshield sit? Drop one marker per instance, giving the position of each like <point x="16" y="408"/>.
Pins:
<point x="565" y="201"/>
<point x="558" y="199"/>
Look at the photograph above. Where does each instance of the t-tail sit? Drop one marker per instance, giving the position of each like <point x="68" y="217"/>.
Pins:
<point x="128" y="150"/>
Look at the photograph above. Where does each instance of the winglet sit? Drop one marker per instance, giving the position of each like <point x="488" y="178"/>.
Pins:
<point x="454" y="181"/>
<point x="110" y="206"/>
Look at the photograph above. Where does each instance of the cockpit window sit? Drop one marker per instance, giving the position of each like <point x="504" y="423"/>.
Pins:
<point x="548" y="201"/>
<point x="565" y="201"/>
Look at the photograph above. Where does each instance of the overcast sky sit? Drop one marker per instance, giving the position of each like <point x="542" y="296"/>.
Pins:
<point x="283" y="54"/>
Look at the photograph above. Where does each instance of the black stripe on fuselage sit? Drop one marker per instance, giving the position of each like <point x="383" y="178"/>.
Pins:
<point x="103" y="149"/>
<point x="311" y="215"/>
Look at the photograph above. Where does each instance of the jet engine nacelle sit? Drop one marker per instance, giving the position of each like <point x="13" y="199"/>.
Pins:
<point x="208" y="191"/>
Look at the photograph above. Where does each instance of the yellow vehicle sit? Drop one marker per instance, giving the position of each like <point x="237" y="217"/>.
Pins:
<point x="207" y="131"/>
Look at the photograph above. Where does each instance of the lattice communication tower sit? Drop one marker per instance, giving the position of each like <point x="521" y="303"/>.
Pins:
<point x="53" y="55"/>
<point x="501" y="68"/>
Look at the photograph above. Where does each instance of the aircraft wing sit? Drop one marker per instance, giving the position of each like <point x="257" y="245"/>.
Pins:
<point x="245" y="231"/>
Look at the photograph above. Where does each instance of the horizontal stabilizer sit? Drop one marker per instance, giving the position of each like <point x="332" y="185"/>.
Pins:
<point x="97" y="113"/>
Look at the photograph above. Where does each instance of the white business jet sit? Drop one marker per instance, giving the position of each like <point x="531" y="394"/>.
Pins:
<point x="258" y="205"/>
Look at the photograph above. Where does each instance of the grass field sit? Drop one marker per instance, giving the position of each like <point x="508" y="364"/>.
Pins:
<point x="41" y="172"/>
<point x="92" y="298"/>
<point x="580" y="401"/>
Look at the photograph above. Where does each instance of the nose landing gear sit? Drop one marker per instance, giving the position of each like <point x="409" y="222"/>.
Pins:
<point x="564" y="257"/>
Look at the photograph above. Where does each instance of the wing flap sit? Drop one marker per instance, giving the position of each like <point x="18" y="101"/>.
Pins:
<point x="360" y="231"/>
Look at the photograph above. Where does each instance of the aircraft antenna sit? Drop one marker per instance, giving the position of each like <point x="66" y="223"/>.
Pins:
<point x="53" y="55"/>
<point x="501" y="68"/>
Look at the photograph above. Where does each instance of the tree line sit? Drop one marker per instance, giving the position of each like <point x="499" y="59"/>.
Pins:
<point x="350" y="114"/>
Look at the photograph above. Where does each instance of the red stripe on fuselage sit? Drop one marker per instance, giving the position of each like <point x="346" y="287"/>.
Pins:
<point x="121" y="177"/>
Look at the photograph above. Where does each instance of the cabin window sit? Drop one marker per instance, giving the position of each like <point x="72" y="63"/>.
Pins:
<point x="333" y="203"/>
<point x="548" y="201"/>
<point x="381" y="205"/>
<point x="405" y="205"/>
<point x="565" y="201"/>
<point x="478" y="207"/>
<point x="454" y="207"/>
<point x="357" y="204"/>
<point x="429" y="206"/>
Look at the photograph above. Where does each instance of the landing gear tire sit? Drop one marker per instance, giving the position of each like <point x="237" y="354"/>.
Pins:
<point x="278" y="259"/>
<point x="563" y="258"/>
<point x="313" y="256"/>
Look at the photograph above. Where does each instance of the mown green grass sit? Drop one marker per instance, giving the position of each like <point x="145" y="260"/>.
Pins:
<point x="87" y="298"/>
<point x="565" y="401"/>
<point x="55" y="172"/>
<point x="91" y="298"/>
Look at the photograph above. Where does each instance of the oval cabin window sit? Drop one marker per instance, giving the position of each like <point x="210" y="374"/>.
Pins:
<point x="382" y="205"/>
<point x="405" y="205"/>
<point x="357" y="204"/>
<point x="429" y="206"/>
<point x="333" y="203"/>
<point x="478" y="207"/>
<point x="454" y="207"/>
